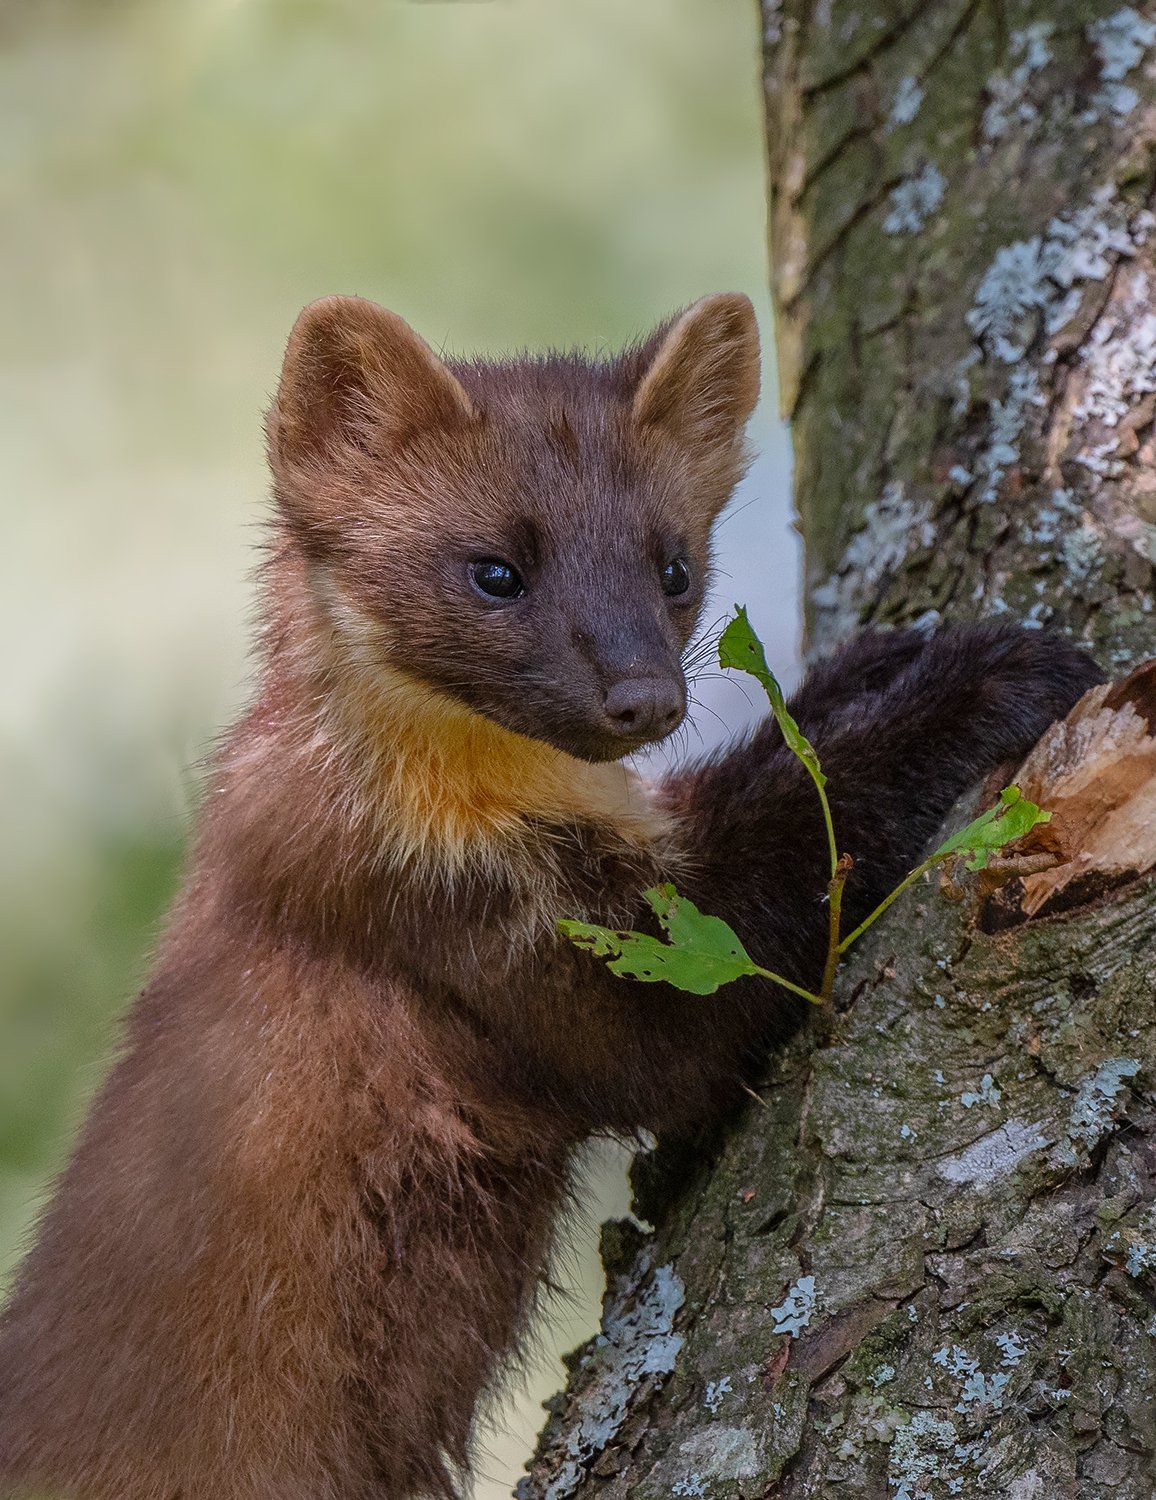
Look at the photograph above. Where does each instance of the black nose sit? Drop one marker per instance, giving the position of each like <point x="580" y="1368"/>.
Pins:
<point x="644" y="707"/>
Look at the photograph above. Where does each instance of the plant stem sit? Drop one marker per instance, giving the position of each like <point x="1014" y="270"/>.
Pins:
<point x="832" y="846"/>
<point x="842" y="869"/>
<point x="903" y="885"/>
<point x="795" y="989"/>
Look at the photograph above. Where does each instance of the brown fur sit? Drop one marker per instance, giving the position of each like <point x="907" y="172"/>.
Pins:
<point x="309" y="1214"/>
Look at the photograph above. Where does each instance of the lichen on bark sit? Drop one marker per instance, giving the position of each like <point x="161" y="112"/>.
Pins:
<point x="923" y="1263"/>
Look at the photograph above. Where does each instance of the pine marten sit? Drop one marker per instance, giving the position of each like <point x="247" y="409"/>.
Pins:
<point x="309" y="1214"/>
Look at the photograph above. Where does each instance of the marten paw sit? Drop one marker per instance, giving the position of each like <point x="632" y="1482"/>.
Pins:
<point x="1006" y="681"/>
<point x="862" y="668"/>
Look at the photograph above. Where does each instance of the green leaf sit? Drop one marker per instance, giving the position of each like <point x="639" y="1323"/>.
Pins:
<point x="1011" y="817"/>
<point x="703" y="952"/>
<point x="740" y="650"/>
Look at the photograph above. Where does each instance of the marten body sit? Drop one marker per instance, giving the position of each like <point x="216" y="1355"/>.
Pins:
<point x="310" y="1211"/>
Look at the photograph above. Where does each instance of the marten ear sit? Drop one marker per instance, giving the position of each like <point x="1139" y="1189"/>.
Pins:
<point x="702" y="379"/>
<point x="357" y="381"/>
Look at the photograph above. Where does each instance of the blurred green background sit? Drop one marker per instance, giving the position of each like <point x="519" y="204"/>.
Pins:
<point x="176" y="180"/>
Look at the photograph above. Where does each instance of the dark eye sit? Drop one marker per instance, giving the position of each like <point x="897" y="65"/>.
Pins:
<point x="496" y="579"/>
<point x="675" y="578"/>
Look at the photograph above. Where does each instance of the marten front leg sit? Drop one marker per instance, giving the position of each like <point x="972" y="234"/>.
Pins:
<point x="862" y="668"/>
<point x="902" y="725"/>
<point x="902" y="728"/>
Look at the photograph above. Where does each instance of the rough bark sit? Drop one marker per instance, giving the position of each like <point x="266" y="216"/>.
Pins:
<point x="923" y="1263"/>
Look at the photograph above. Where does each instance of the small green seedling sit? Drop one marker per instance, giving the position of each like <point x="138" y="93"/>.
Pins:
<point x="702" y="952"/>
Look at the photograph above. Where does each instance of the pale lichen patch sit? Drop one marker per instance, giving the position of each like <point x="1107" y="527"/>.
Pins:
<point x="922" y="1450"/>
<point x="914" y="201"/>
<point x="1135" y="1246"/>
<point x="1032" y="289"/>
<point x="723" y="1454"/>
<point x="955" y="1360"/>
<point x="716" y="1391"/>
<point x="1008" y="101"/>
<point x="983" y="1391"/>
<point x="987" y="1093"/>
<point x="637" y="1341"/>
<point x="797" y="1308"/>
<point x="1009" y="417"/>
<point x="1120" y="359"/>
<point x="890" y="525"/>
<point x="1121" y="41"/>
<point x="1033" y="278"/>
<point x="905" y="105"/>
<point x="1081" y="549"/>
<point x="1094" y="1112"/>
<point x="1012" y="1348"/>
<point x="992" y="1157"/>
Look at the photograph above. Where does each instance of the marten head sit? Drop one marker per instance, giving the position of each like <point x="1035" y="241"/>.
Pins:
<point x="528" y="538"/>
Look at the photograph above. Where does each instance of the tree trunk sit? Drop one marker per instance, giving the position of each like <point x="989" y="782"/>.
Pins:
<point x="923" y="1263"/>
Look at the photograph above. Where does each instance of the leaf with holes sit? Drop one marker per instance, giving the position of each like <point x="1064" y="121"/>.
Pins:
<point x="740" y="650"/>
<point x="702" y="952"/>
<point x="1011" y="817"/>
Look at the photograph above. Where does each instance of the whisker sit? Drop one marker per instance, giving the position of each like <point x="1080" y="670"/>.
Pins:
<point x="741" y="687"/>
<point x="730" y="513"/>
<point x="698" y="703"/>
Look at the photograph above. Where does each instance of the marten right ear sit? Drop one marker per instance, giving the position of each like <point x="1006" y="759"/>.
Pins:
<point x="702" y="380"/>
<point x="357" y="382"/>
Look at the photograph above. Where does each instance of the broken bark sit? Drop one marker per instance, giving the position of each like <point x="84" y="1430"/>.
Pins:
<point x="923" y="1263"/>
<point x="1096" y="773"/>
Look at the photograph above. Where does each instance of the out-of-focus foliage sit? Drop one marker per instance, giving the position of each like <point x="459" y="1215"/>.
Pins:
<point x="177" y="177"/>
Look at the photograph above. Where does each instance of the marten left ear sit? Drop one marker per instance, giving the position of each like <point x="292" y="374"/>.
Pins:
<point x="357" y="381"/>
<point x="702" y="382"/>
<point x="356" y="385"/>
